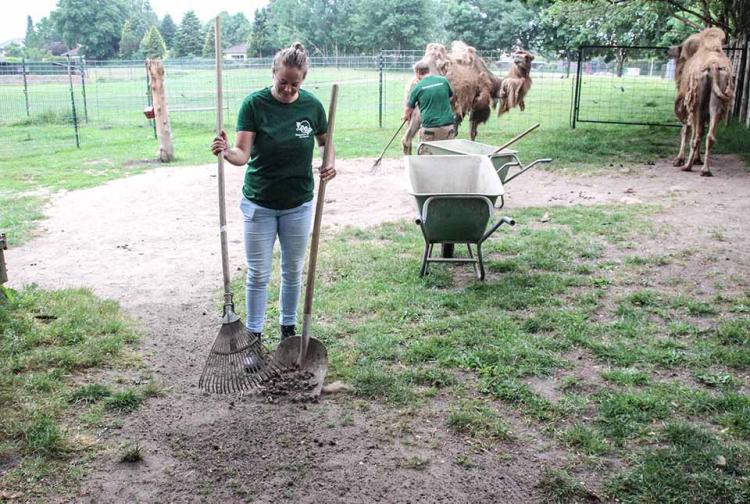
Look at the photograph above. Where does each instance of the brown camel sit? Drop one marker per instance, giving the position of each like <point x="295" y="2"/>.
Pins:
<point x="703" y="74"/>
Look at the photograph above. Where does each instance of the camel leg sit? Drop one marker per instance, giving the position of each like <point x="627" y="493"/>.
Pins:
<point x="473" y="129"/>
<point x="695" y="142"/>
<point x="680" y="159"/>
<point x="715" y="110"/>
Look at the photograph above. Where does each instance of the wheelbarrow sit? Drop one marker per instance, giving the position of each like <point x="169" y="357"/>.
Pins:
<point x="502" y="161"/>
<point x="455" y="198"/>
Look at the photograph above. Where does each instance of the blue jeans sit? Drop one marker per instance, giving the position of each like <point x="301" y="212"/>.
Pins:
<point x="261" y="226"/>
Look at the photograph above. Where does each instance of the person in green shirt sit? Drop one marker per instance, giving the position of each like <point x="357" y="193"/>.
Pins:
<point x="435" y="98"/>
<point x="276" y="131"/>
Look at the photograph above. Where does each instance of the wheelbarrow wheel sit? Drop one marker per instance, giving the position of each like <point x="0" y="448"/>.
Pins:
<point x="448" y="250"/>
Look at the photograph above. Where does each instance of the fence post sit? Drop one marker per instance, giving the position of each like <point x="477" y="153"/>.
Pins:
<point x="83" y="88"/>
<point x="381" y="65"/>
<point x="150" y="101"/>
<point x="73" y="104"/>
<point x="25" y="87"/>
<point x="577" y="97"/>
<point x="3" y="268"/>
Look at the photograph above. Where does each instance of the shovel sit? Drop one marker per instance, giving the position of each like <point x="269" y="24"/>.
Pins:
<point x="305" y="352"/>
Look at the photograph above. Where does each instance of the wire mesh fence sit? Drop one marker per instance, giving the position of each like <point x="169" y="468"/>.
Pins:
<point x="628" y="85"/>
<point x="56" y="104"/>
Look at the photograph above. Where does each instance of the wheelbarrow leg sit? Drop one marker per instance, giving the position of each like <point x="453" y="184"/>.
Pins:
<point x="425" y="256"/>
<point x="480" y="273"/>
<point x="475" y="263"/>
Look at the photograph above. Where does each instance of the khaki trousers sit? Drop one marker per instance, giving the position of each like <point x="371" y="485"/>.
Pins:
<point x="437" y="133"/>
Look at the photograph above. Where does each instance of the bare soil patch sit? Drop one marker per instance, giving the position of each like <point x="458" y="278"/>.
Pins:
<point x="150" y="242"/>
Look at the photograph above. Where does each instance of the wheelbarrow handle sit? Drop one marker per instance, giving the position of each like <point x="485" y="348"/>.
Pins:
<point x="524" y="169"/>
<point x="504" y="220"/>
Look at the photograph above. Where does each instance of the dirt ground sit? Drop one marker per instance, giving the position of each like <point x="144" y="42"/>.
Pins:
<point x="150" y="242"/>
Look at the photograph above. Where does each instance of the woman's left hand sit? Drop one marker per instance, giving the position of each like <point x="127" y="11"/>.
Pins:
<point x="327" y="172"/>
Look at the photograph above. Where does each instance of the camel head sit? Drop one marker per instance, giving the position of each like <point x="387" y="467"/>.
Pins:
<point x="522" y="59"/>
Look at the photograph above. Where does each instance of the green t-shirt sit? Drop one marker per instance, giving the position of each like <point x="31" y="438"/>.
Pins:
<point x="432" y="94"/>
<point x="279" y="173"/>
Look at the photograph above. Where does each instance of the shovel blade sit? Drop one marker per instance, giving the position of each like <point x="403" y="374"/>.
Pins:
<point x="315" y="362"/>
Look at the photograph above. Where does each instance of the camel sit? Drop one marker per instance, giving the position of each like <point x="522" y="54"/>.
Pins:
<point x="516" y="84"/>
<point x="703" y="74"/>
<point x="476" y="88"/>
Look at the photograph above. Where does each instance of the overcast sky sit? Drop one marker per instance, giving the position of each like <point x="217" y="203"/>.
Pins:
<point x="13" y="18"/>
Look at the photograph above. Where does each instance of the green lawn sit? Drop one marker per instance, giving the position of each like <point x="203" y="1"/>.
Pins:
<point x="51" y="345"/>
<point x="666" y="402"/>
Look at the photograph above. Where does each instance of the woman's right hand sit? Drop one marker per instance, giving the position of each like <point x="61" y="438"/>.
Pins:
<point x="220" y="143"/>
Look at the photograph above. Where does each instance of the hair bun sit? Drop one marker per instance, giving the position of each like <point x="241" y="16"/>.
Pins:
<point x="298" y="46"/>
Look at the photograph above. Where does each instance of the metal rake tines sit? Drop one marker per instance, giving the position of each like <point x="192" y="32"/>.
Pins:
<point x="226" y="373"/>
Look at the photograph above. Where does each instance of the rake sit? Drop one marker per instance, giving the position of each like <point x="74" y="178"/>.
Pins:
<point x="224" y="371"/>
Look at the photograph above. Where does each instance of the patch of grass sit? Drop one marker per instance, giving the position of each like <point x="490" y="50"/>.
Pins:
<point x="378" y="382"/>
<point x="42" y="436"/>
<point x="124" y="401"/>
<point x="622" y="414"/>
<point x="46" y="340"/>
<point x="131" y="453"/>
<point x="734" y="332"/>
<point x="559" y="487"/>
<point x="464" y="461"/>
<point x="692" y="467"/>
<point x="626" y="376"/>
<point x="416" y="463"/>
<point x="478" y="421"/>
<point x="585" y="439"/>
<point x="90" y="393"/>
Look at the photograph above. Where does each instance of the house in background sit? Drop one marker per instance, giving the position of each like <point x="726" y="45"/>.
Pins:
<point x="236" y="53"/>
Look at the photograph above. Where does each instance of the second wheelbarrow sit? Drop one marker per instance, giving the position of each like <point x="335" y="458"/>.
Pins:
<point x="502" y="161"/>
<point x="455" y="197"/>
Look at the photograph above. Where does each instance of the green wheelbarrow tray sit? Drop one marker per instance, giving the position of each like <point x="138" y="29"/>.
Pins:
<point x="455" y="198"/>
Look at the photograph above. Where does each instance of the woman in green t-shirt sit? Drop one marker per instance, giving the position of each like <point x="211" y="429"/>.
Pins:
<point x="275" y="130"/>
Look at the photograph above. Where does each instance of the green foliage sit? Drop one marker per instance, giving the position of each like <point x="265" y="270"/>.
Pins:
<point x="152" y="45"/>
<point x="189" y="37"/>
<point x="209" y="43"/>
<point x="97" y="26"/>
<point x="168" y="30"/>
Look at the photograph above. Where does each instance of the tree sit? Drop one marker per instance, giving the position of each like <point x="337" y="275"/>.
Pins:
<point x="209" y="43"/>
<point x="189" y="36"/>
<point x="129" y="40"/>
<point x="141" y="19"/>
<point x="31" y="40"/>
<point x="94" y="24"/>
<point x="259" y="39"/>
<point x="393" y="24"/>
<point x="46" y="32"/>
<point x="168" y="30"/>
<point x="236" y="31"/>
<point x="152" y="45"/>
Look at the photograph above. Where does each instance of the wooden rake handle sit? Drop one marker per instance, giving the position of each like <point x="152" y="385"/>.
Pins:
<point x="516" y="138"/>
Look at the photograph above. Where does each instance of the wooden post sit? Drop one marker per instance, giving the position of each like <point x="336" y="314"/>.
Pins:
<point x="3" y="270"/>
<point x="163" y="130"/>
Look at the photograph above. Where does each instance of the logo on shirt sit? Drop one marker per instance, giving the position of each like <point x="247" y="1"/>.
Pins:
<point x="303" y="129"/>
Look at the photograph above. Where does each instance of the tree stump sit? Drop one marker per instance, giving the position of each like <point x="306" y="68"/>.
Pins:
<point x="161" y="114"/>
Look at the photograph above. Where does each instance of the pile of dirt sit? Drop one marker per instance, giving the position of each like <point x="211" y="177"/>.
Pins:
<point x="294" y="385"/>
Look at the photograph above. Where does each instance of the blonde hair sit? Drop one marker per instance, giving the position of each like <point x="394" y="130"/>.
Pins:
<point x="293" y="56"/>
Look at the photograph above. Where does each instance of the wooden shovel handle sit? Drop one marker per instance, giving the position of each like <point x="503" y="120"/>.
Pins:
<point x="314" y="240"/>
<point x="516" y="138"/>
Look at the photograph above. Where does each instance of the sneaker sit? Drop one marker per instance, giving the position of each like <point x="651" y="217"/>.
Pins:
<point x="255" y="360"/>
<point x="287" y="331"/>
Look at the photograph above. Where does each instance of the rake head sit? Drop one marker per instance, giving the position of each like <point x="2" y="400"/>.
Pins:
<point x="225" y="369"/>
